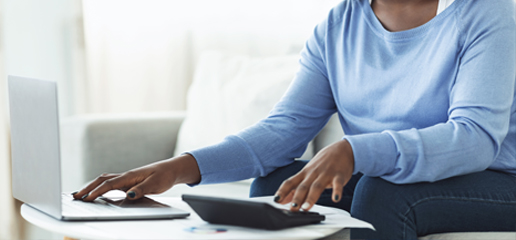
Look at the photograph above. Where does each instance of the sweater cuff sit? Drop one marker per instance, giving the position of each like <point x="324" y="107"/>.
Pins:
<point x="375" y="154"/>
<point x="215" y="165"/>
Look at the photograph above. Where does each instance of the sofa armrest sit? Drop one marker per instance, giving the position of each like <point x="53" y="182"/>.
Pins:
<point x="96" y="144"/>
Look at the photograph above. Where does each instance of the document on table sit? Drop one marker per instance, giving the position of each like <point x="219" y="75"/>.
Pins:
<point x="194" y="227"/>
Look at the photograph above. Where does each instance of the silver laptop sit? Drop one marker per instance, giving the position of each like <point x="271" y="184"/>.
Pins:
<point x="36" y="164"/>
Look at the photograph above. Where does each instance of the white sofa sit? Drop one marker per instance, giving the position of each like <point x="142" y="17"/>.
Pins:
<point x="96" y="144"/>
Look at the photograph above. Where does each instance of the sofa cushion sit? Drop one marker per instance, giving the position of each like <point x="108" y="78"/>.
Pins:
<point x="230" y="93"/>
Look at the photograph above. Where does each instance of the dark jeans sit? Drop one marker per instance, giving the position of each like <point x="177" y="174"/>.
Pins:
<point x="483" y="201"/>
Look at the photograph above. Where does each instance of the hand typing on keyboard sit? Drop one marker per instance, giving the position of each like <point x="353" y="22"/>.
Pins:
<point x="154" y="178"/>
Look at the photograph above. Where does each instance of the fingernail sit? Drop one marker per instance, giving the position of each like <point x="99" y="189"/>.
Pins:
<point x="74" y="193"/>
<point x="276" y="198"/>
<point x="336" y="197"/>
<point x="85" y="196"/>
<point x="294" y="205"/>
<point x="305" y="205"/>
<point x="131" y="194"/>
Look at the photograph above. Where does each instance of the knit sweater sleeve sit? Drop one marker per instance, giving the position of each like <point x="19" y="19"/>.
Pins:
<point x="281" y="137"/>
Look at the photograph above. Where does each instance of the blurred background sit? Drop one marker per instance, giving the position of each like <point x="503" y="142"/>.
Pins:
<point x="117" y="56"/>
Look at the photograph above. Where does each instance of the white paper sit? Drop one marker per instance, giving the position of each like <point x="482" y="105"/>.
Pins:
<point x="335" y="217"/>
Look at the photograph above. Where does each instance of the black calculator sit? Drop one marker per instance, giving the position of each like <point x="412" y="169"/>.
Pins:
<point x="248" y="213"/>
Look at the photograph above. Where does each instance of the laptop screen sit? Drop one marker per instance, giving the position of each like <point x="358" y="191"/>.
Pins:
<point x="36" y="174"/>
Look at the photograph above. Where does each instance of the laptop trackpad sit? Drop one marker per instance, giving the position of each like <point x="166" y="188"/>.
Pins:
<point x="144" y="202"/>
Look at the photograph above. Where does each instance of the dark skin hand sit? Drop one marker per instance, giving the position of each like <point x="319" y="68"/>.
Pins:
<point x="332" y="167"/>
<point x="154" y="178"/>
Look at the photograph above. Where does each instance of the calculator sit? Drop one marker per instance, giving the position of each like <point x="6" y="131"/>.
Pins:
<point x="248" y="213"/>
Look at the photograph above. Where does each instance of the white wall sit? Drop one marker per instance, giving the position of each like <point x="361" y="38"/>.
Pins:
<point x="38" y="40"/>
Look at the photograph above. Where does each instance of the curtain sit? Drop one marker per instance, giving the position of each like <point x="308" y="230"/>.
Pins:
<point x="9" y="217"/>
<point x="141" y="55"/>
<point x="40" y="39"/>
<point x="9" y="227"/>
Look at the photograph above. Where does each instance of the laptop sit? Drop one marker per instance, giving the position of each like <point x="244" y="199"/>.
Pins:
<point x="36" y="163"/>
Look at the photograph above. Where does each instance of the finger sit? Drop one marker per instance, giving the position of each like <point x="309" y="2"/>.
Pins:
<point x="315" y="191"/>
<point x="93" y="184"/>
<point x="123" y="181"/>
<point x="338" y="185"/>
<point x="289" y="197"/>
<point x="301" y="192"/>
<point x="287" y="187"/>
<point x="147" y="186"/>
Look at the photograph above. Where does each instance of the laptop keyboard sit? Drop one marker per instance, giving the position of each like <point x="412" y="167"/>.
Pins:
<point x="97" y="207"/>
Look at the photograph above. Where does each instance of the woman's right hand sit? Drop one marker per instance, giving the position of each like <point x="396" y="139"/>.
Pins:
<point x="154" y="178"/>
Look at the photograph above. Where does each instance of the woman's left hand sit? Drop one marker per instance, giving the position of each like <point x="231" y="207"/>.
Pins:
<point x="332" y="168"/>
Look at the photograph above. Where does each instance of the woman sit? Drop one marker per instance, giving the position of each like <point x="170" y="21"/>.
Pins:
<point x="427" y="104"/>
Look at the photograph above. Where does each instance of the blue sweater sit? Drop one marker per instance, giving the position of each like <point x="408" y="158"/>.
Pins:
<point x="424" y="104"/>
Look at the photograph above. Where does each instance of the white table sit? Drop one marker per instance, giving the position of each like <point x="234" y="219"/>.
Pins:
<point x="189" y="228"/>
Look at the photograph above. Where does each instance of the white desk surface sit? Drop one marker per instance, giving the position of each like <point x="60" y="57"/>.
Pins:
<point x="336" y="220"/>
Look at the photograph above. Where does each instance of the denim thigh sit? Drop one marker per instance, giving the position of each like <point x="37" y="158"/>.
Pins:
<point x="483" y="201"/>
